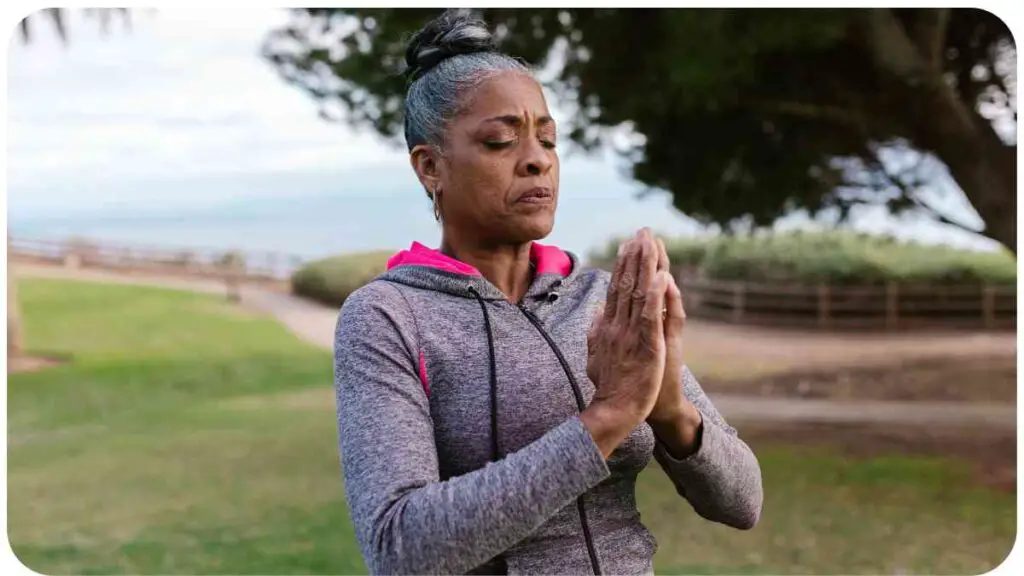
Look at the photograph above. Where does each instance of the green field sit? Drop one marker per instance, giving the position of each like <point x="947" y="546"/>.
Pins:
<point x="188" y="436"/>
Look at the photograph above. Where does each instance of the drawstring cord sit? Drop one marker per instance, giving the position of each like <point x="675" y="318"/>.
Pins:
<point x="550" y="297"/>
<point x="494" y="373"/>
<point x="500" y="558"/>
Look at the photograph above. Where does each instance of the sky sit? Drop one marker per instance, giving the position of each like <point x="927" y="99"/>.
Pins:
<point x="177" y="132"/>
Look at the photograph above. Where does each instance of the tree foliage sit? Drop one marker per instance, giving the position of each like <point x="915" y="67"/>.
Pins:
<point x="743" y="115"/>
<point x="57" y="17"/>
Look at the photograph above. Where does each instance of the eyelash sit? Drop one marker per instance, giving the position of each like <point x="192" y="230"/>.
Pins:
<point x="501" y="145"/>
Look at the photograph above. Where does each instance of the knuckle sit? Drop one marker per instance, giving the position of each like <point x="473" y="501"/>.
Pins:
<point x="626" y="281"/>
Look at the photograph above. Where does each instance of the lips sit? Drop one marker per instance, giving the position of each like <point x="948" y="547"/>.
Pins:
<point x="537" y="195"/>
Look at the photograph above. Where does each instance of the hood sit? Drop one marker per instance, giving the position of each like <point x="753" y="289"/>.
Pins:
<point x="428" y="268"/>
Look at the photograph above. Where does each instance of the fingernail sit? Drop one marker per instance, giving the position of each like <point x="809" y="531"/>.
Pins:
<point x="622" y="248"/>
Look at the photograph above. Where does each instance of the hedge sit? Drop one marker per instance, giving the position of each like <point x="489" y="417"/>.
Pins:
<point x="835" y="257"/>
<point x="331" y="280"/>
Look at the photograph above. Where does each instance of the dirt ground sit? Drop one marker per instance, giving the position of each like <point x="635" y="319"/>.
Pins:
<point x="993" y="454"/>
<point x="20" y="364"/>
<point x="957" y="367"/>
<point x="979" y="379"/>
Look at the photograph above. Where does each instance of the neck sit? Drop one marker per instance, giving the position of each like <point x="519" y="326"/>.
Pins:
<point x="507" y="266"/>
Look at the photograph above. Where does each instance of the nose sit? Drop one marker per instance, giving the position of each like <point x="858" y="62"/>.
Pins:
<point x="536" y="160"/>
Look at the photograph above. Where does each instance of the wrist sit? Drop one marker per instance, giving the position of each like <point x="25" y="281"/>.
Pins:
<point x="679" y="429"/>
<point x="608" y="426"/>
<point x="668" y="417"/>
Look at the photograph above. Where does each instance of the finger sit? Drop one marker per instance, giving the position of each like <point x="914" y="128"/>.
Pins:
<point x="675" y="314"/>
<point x="663" y="263"/>
<point x="647" y="270"/>
<point x="627" y="281"/>
<point x="650" y="317"/>
<point x="612" y="298"/>
<point x="595" y="325"/>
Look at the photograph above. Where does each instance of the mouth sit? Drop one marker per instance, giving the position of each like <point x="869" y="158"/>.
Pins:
<point x="538" y="195"/>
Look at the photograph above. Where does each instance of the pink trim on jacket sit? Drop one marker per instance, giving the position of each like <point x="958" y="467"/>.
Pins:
<point x="423" y="374"/>
<point x="546" y="259"/>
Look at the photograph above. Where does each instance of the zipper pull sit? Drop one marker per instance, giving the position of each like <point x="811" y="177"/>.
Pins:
<point x="553" y="295"/>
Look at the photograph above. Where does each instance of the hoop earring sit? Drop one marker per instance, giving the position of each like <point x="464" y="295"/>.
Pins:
<point x="437" y="203"/>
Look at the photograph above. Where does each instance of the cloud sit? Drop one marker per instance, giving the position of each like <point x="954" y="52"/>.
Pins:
<point x="184" y="92"/>
<point x="181" y="114"/>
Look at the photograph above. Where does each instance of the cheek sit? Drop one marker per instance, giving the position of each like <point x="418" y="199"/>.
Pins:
<point x="482" y="181"/>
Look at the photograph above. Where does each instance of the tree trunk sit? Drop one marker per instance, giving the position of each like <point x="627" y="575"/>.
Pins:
<point x="15" y="337"/>
<point x="983" y="166"/>
<point x="992" y="192"/>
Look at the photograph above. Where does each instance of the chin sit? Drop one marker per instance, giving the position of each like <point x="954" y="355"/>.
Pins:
<point x="534" y="227"/>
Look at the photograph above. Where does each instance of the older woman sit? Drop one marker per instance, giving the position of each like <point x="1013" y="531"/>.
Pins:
<point x="496" y="401"/>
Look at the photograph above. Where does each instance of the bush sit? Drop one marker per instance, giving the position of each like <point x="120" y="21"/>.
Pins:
<point x="331" y="280"/>
<point x="835" y="257"/>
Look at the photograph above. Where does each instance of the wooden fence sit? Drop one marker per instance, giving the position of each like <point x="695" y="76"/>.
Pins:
<point x="140" y="259"/>
<point x="886" y="307"/>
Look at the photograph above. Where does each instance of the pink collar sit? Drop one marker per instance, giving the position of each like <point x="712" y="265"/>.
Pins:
<point x="546" y="260"/>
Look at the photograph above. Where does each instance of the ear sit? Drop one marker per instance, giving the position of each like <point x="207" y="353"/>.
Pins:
<point x="426" y="161"/>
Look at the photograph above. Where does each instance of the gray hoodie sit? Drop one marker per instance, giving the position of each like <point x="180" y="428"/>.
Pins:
<point x="460" y="439"/>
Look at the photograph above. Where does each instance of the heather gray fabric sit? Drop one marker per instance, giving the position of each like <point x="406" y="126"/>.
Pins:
<point x="423" y="494"/>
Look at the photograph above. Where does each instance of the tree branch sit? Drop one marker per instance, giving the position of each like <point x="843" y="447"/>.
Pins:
<point x="811" y="111"/>
<point x="930" y="35"/>
<point x="939" y="216"/>
<point x="909" y="191"/>
<point x="892" y="48"/>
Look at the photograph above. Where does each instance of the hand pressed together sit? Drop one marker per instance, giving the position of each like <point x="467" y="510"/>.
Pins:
<point x="635" y="352"/>
<point x="626" y="345"/>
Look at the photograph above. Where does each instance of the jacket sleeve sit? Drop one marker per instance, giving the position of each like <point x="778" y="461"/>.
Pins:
<point x="722" y="479"/>
<point x="407" y="520"/>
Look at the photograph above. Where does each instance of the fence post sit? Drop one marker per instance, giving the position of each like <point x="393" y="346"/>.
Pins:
<point x="231" y="283"/>
<point x="125" y="258"/>
<point x="824" y="306"/>
<point x="892" y="305"/>
<point x="233" y="264"/>
<point x="72" y="260"/>
<point x="988" y="307"/>
<point x="739" y="301"/>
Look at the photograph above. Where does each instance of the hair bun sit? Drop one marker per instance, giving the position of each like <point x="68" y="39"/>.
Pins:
<point x="452" y="33"/>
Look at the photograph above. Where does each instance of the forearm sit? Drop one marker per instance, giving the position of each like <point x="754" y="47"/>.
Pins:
<point x="459" y="524"/>
<point x="710" y="465"/>
<point x="721" y="479"/>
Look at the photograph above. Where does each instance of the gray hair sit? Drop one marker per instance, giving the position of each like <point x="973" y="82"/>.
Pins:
<point x="445" y="59"/>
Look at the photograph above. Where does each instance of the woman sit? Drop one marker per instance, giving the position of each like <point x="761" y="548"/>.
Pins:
<point x="492" y="418"/>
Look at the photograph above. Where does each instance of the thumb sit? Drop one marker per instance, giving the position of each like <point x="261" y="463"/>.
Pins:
<point x="675" y="314"/>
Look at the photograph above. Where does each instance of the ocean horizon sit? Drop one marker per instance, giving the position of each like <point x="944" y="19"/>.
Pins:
<point x="321" y="226"/>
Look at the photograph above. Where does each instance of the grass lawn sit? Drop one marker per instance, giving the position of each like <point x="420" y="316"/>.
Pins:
<point x="188" y="436"/>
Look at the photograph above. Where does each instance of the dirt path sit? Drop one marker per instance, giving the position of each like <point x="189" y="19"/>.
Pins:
<point x="767" y="350"/>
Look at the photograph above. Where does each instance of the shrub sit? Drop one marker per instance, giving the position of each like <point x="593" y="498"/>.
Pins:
<point x="331" y="280"/>
<point x="835" y="257"/>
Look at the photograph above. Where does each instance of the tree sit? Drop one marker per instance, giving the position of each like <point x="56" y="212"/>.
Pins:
<point x="15" y="334"/>
<point x="743" y="115"/>
<point x="57" y="17"/>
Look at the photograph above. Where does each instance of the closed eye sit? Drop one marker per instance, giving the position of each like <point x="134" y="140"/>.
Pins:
<point x="498" y="145"/>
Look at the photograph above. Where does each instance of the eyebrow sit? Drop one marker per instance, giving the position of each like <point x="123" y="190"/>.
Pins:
<point x="513" y="120"/>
